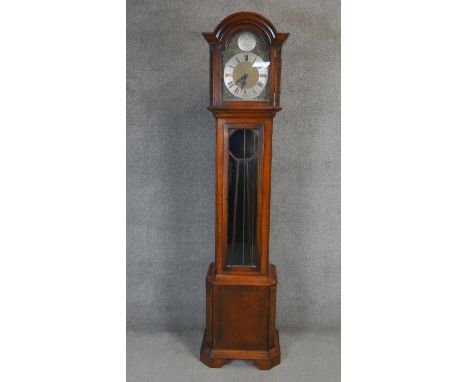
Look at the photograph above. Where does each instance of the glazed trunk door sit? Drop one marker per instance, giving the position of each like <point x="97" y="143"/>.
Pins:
<point x="243" y="158"/>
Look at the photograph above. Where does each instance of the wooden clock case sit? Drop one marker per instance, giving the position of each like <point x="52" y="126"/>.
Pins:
<point x="241" y="301"/>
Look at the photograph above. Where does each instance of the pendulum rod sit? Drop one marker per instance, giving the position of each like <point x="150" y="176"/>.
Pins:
<point x="236" y="188"/>
<point x="243" y="208"/>
<point x="254" y="182"/>
<point x="249" y="212"/>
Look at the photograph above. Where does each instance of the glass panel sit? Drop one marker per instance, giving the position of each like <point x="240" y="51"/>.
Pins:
<point x="243" y="160"/>
<point x="245" y="67"/>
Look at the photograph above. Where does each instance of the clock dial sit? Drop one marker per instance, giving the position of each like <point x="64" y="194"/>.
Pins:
<point x="246" y="75"/>
<point x="245" y="58"/>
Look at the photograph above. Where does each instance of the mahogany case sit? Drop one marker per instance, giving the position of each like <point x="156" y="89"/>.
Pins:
<point x="241" y="300"/>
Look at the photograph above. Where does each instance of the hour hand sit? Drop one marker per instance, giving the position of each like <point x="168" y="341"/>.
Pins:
<point x="242" y="80"/>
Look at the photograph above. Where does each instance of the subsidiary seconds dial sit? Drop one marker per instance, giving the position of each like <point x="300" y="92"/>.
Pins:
<point x="246" y="75"/>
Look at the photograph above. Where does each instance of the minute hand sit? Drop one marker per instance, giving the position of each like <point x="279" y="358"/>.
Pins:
<point x="242" y="80"/>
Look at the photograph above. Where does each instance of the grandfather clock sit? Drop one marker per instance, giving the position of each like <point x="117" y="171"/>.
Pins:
<point x="245" y="68"/>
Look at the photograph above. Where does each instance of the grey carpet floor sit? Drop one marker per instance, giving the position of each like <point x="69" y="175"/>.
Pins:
<point x="173" y="357"/>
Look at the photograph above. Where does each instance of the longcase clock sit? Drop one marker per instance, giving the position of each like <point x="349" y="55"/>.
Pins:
<point x="245" y="68"/>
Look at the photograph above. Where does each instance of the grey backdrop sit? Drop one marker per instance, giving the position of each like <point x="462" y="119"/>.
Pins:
<point x="170" y="162"/>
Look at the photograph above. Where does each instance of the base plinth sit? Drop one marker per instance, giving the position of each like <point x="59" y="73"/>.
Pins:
<point x="264" y="360"/>
<point x="241" y="319"/>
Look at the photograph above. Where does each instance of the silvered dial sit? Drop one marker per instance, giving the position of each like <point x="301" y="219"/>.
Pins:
<point x="246" y="41"/>
<point x="246" y="75"/>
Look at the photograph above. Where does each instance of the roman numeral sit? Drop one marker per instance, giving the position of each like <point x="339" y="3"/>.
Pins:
<point x="246" y="57"/>
<point x="236" y="91"/>
<point x="263" y="75"/>
<point x="237" y="59"/>
<point x="245" y="92"/>
<point x="229" y="75"/>
<point x="259" y="84"/>
<point x="230" y="83"/>
<point x="254" y="60"/>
